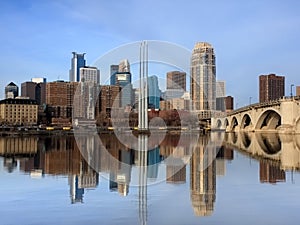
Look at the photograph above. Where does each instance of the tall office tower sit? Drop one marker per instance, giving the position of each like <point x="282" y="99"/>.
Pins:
<point x="297" y="90"/>
<point x="154" y="92"/>
<point x="89" y="87"/>
<point x="176" y="80"/>
<point x="271" y="87"/>
<point x="123" y="79"/>
<point x="11" y="90"/>
<point x="77" y="62"/>
<point x="203" y="77"/>
<point x="220" y="96"/>
<point x="113" y="70"/>
<point x="124" y="66"/>
<point x="89" y="74"/>
<point x="35" y="89"/>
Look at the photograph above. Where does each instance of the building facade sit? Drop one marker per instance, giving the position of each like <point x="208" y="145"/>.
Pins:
<point x="123" y="79"/>
<point x="89" y="74"/>
<point x="77" y="62"/>
<point x="297" y="90"/>
<point x="34" y="90"/>
<point x="19" y="111"/>
<point x="271" y="87"/>
<point x="203" y="77"/>
<point x="11" y="90"/>
<point x="176" y="80"/>
<point x="229" y="103"/>
<point x="154" y="93"/>
<point x="113" y="70"/>
<point x="109" y="98"/>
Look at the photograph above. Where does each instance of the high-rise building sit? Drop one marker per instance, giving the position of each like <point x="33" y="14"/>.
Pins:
<point x="124" y="66"/>
<point x="35" y="89"/>
<point x="297" y="90"/>
<point x="154" y="92"/>
<point x="109" y="98"/>
<point x="203" y="77"/>
<point x="123" y="79"/>
<point x="271" y="87"/>
<point x="229" y="102"/>
<point x="113" y="70"/>
<point x="77" y="62"/>
<point x="220" y="96"/>
<point x="176" y="80"/>
<point x="89" y="74"/>
<point x="11" y="90"/>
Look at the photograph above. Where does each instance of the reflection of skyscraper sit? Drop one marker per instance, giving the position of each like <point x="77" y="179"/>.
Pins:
<point x="176" y="173"/>
<point x="270" y="172"/>
<point x="203" y="180"/>
<point x="76" y="193"/>
<point x="203" y="77"/>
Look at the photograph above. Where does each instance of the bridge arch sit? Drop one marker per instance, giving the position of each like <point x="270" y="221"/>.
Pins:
<point x="246" y="139"/>
<point x="297" y="126"/>
<point x="268" y="120"/>
<point x="226" y="123"/>
<point x="270" y="143"/>
<point x="234" y="124"/>
<point x="246" y="122"/>
<point x="219" y="124"/>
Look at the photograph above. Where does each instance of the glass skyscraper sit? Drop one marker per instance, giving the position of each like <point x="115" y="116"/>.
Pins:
<point x="77" y="62"/>
<point x="203" y="77"/>
<point x="154" y="92"/>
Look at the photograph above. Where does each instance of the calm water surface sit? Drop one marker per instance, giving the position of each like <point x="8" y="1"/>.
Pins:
<point x="215" y="179"/>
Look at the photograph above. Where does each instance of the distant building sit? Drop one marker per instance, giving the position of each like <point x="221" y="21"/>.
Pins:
<point x="89" y="74"/>
<point x="271" y="87"/>
<point x="176" y="80"/>
<point x="60" y="97"/>
<point x="154" y="93"/>
<point x="77" y="62"/>
<point x="297" y="90"/>
<point x="203" y="78"/>
<point x="270" y="172"/>
<point x="19" y="111"/>
<point x="229" y="102"/>
<point x="35" y="89"/>
<point x="124" y="66"/>
<point x="109" y="98"/>
<point x="11" y="90"/>
<point x="123" y="79"/>
<point x="113" y="70"/>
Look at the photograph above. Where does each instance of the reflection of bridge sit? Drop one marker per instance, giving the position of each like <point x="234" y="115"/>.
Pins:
<point x="280" y="147"/>
<point x="281" y="115"/>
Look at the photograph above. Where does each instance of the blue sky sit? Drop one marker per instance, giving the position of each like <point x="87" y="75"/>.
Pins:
<point x="250" y="37"/>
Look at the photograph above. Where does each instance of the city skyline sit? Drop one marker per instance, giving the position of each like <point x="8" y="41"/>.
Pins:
<point x="39" y="44"/>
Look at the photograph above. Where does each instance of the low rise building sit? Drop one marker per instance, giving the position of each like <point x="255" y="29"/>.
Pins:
<point x="18" y="112"/>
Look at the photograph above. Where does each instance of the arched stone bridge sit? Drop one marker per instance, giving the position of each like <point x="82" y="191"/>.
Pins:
<point x="282" y="115"/>
<point x="280" y="147"/>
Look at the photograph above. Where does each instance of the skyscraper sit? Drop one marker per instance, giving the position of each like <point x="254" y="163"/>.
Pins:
<point x="154" y="92"/>
<point x="35" y="89"/>
<point x="124" y="66"/>
<point x="11" y="90"/>
<point x="113" y="70"/>
<point x="220" y="96"/>
<point x="89" y="74"/>
<point x="123" y="79"/>
<point x="176" y="80"/>
<point x="77" y="62"/>
<point x="271" y="87"/>
<point x="203" y="77"/>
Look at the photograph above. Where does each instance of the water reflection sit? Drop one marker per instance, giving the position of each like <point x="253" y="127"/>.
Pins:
<point x="61" y="156"/>
<point x="277" y="153"/>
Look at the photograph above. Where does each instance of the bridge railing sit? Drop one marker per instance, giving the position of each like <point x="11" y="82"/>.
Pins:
<point x="264" y="104"/>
